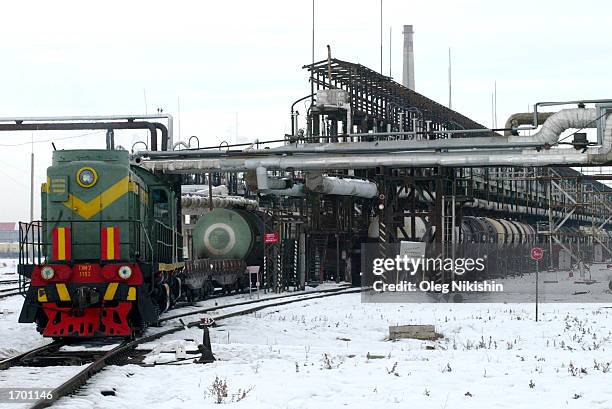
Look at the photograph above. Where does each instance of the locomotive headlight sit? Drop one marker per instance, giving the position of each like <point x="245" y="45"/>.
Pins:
<point x="87" y="177"/>
<point x="125" y="272"/>
<point x="47" y="273"/>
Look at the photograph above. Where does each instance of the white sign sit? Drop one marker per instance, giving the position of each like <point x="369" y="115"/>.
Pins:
<point x="412" y="249"/>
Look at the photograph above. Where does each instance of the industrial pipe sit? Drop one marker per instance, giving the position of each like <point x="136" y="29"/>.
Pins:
<point x="458" y="159"/>
<point x="523" y="118"/>
<point x="342" y="187"/>
<point x="557" y="123"/>
<point x="296" y="190"/>
<point x="71" y="126"/>
<point x="90" y="118"/>
<point x="196" y="204"/>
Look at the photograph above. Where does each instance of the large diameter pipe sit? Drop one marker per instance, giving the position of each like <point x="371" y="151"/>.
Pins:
<point x="87" y="118"/>
<point x="556" y="124"/>
<point x="341" y="187"/>
<point x="457" y="159"/>
<point x="523" y="118"/>
<point x="468" y="158"/>
<point x="296" y="190"/>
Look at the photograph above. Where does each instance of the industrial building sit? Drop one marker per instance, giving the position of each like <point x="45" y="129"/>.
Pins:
<point x="380" y="163"/>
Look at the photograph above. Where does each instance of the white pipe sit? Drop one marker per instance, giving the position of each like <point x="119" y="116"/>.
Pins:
<point x="220" y="190"/>
<point x="606" y="143"/>
<point x="342" y="187"/>
<point x="527" y="157"/>
<point x="262" y="178"/>
<point x="549" y="134"/>
<point x="266" y="184"/>
<point x="557" y="123"/>
<point x="297" y="190"/>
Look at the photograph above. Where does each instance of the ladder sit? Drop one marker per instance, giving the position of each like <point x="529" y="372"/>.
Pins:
<point x="318" y="254"/>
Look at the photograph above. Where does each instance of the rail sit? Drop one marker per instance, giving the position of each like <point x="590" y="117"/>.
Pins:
<point x="35" y="242"/>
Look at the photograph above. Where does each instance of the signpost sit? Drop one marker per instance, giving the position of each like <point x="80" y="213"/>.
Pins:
<point x="536" y="254"/>
<point x="253" y="271"/>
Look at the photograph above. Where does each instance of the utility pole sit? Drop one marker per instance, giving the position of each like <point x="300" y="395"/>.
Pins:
<point x="450" y="88"/>
<point x="381" y="39"/>
<point x="32" y="181"/>
<point x="495" y="104"/>
<point x="313" y="59"/>
<point x="390" y="49"/>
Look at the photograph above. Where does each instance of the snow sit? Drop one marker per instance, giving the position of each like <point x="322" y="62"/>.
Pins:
<point x="8" y="269"/>
<point x="16" y="338"/>
<point x="25" y="377"/>
<point x="333" y="352"/>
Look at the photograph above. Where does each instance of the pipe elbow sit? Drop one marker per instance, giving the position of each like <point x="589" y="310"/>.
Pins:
<point x="559" y="122"/>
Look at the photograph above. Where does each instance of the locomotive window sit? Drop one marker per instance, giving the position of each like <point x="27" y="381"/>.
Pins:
<point x="160" y="202"/>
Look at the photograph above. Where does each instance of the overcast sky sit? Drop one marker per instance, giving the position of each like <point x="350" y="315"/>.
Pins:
<point x="235" y="66"/>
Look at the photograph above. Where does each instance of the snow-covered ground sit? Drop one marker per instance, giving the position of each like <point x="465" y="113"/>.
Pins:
<point x="8" y="268"/>
<point x="334" y="352"/>
<point x="15" y="337"/>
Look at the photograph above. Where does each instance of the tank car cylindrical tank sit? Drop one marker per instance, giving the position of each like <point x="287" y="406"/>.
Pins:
<point x="223" y="234"/>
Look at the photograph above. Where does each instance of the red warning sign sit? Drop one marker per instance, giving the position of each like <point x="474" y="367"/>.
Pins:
<point x="537" y="253"/>
<point x="271" y="238"/>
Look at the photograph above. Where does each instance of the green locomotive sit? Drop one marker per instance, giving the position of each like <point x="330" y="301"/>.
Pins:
<point x="107" y="257"/>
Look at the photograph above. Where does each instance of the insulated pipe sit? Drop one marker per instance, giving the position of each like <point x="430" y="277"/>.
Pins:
<point x="342" y="187"/>
<point x="220" y="190"/>
<point x="523" y="118"/>
<point x="549" y="134"/>
<point x="262" y="178"/>
<point x="297" y="190"/>
<point x="604" y="151"/>
<point x="326" y="162"/>
<point x="195" y="204"/>
<point x="180" y="143"/>
<point x="557" y="123"/>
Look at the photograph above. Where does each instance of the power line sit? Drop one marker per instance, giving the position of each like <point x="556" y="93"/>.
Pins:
<point x="50" y="140"/>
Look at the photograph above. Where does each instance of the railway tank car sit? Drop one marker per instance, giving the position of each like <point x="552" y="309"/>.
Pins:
<point x="106" y="258"/>
<point x="228" y="234"/>
<point x="231" y="237"/>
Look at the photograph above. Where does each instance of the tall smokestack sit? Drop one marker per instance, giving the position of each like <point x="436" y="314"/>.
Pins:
<point x="408" y="77"/>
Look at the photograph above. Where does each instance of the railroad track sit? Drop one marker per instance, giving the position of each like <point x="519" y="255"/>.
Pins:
<point x="8" y="292"/>
<point x="123" y="350"/>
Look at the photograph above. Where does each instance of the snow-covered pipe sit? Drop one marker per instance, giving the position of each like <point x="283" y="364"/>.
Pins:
<point x="195" y="204"/>
<point x="342" y="187"/>
<point x="220" y="190"/>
